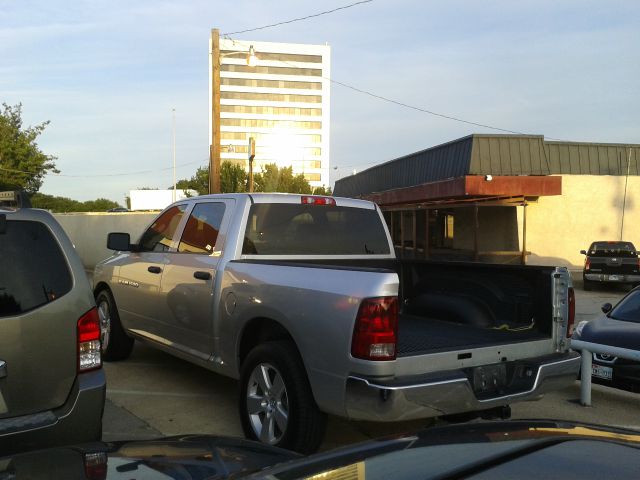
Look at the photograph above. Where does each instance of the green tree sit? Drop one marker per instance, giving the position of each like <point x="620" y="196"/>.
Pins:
<point x="64" y="204"/>
<point x="22" y="164"/>
<point x="199" y="182"/>
<point x="274" y="179"/>
<point x="233" y="178"/>
<point x="323" y="191"/>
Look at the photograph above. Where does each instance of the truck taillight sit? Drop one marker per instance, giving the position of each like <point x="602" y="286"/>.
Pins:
<point x="375" y="333"/>
<point x="572" y="311"/>
<point x="95" y="466"/>
<point x="587" y="263"/>
<point x="89" y="352"/>
<point x="309" y="200"/>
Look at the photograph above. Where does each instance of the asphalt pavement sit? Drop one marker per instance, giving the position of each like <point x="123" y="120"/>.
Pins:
<point x="154" y="394"/>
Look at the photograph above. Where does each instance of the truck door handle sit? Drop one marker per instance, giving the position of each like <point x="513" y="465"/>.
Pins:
<point x="202" y="275"/>
<point x="154" y="269"/>
<point x="3" y="369"/>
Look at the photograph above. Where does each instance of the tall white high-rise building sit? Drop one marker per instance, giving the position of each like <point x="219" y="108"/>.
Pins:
<point x="282" y="102"/>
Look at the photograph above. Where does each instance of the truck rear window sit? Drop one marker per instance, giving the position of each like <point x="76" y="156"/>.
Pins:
<point x="292" y="229"/>
<point x="34" y="270"/>
<point x="612" y="249"/>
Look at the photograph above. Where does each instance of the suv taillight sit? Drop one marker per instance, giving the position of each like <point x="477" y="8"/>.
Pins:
<point x="572" y="311"/>
<point x="89" y="352"/>
<point x="375" y="333"/>
<point x="587" y="263"/>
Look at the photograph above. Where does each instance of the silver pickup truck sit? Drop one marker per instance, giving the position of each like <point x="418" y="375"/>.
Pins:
<point x="302" y="299"/>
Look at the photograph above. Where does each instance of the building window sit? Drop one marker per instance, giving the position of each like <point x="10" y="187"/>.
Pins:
<point x="271" y="97"/>
<point x="304" y="72"/>
<point x="312" y="177"/>
<point x="270" y="139"/>
<point x="278" y="57"/>
<point x="252" y="82"/>
<point x="294" y="111"/>
<point x="250" y="122"/>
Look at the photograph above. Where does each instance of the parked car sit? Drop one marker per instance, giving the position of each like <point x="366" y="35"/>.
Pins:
<point x="52" y="386"/>
<point x="610" y="262"/>
<point x="302" y="299"/>
<point x="619" y="326"/>
<point x="524" y="449"/>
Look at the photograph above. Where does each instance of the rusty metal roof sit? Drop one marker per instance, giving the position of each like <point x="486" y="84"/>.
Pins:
<point x="480" y="154"/>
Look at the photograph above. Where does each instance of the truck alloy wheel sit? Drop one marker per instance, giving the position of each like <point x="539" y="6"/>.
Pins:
<point x="267" y="403"/>
<point x="116" y="345"/>
<point x="105" y="323"/>
<point x="276" y="403"/>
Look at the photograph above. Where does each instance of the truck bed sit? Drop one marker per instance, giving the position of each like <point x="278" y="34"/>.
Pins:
<point x="421" y="335"/>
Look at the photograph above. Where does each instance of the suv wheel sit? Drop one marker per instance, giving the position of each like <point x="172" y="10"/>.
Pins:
<point x="116" y="345"/>
<point x="276" y="403"/>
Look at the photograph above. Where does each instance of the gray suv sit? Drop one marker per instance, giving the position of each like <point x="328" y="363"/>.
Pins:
<point x="52" y="386"/>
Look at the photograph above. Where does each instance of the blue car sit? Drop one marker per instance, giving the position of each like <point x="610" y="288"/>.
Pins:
<point x="619" y="326"/>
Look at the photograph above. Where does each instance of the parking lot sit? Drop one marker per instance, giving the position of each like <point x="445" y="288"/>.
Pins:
<point x="153" y="394"/>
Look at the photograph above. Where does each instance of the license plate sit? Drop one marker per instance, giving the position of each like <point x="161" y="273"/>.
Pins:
<point x="614" y="278"/>
<point x="602" y="372"/>
<point x="490" y="378"/>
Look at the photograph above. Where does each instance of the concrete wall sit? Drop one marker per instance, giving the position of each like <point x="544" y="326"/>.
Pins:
<point x="590" y="208"/>
<point x="88" y="231"/>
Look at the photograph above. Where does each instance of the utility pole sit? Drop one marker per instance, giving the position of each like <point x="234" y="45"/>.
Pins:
<point x="214" y="148"/>
<point x="252" y="154"/>
<point x="173" y="129"/>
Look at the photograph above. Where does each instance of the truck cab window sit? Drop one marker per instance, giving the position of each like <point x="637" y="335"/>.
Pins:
<point x="159" y="236"/>
<point x="201" y="232"/>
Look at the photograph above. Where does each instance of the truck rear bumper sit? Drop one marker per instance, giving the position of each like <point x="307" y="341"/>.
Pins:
<point x="617" y="278"/>
<point x="451" y="392"/>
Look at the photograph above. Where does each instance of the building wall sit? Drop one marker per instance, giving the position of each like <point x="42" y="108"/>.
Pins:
<point x="88" y="231"/>
<point x="589" y="209"/>
<point x="283" y="103"/>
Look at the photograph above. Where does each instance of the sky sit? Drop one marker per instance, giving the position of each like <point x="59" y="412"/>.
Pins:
<point x="107" y="74"/>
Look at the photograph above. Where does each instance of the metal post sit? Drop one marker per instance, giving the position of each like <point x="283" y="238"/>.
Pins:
<point x="475" y="233"/>
<point x="585" y="378"/>
<point x="252" y="154"/>
<point x="214" y="150"/>
<point x="524" y="234"/>
<point x="414" y="239"/>
<point x="426" y="233"/>
<point x="173" y="131"/>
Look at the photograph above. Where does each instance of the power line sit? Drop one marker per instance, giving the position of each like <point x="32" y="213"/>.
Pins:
<point x="407" y="105"/>
<point x="297" y="19"/>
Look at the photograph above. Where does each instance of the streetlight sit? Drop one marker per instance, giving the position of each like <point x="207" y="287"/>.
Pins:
<point x="214" y="68"/>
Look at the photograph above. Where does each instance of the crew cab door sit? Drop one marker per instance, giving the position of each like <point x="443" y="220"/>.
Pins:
<point x="188" y="280"/>
<point x="137" y="291"/>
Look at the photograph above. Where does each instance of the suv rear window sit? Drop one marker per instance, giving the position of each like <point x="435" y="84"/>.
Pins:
<point x="296" y="229"/>
<point x="612" y="249"/>
<point x="34" y="270"/>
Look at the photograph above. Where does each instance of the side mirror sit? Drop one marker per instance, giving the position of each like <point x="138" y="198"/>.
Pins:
<point x="583" y="252"/>
<point x="120" y="242"/>
<point x="606" y="308"/>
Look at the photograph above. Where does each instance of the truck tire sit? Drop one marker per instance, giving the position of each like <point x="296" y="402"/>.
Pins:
<point x="276" y="403"/>
<point x="116" y="345"/>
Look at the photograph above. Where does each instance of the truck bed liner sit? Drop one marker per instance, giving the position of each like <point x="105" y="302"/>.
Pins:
<point x="420" y="335"/>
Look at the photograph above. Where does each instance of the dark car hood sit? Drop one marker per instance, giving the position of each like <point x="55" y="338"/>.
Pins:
<point x="607" y="331"/>
<point x="184" y="457"/>
<point x="523" y="449"/>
